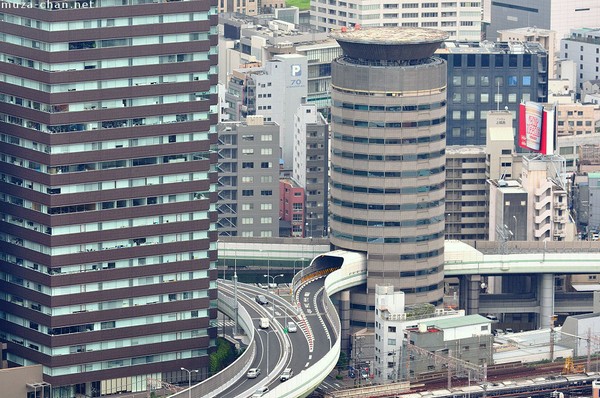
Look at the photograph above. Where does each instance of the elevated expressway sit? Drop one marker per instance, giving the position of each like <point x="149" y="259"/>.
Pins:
<point x="313" y="351"/>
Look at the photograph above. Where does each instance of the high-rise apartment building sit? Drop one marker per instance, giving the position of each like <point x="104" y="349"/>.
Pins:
<point x="460" y="20"/>
<point x="311" y="166"/>
<point x="249" y="178"/>
<point x="485" y="76"/>
<point x="388" y="161"/>
<point x="108" y="191"/>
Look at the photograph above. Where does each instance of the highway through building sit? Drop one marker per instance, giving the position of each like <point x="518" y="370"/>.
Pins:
<point x="286" y="350"/>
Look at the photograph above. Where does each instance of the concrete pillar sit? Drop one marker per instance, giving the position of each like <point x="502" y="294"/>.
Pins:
<point x="473" y="286"/>
<point x="345" y="320"/>
<point x="546" y="297"/>
<point x="462" y="292"/>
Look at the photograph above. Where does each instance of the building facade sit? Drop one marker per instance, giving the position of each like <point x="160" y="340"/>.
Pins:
<point x="274" y="91"/>
<point x="583" y="47"/>
<point x="248" y="178"/>
<point x="486" y="76"/>
<point x="388" y="160"/>
<point x="557" y="15"/>
<point x="108" y="191"/>
<point x="291" y="207"/>
<point x="460" y="20"/>
<point x="311" y="166"/>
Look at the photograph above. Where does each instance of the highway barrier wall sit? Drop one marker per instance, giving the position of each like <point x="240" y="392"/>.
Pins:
<point x="352" y="273"/>
<point x="221" y="381"/>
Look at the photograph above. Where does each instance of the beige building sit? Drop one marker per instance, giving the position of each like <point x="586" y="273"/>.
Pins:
<point x="24" y="382"/>
<point x="575" y="119"/>
<point x="467" y="170"/>
<point x="547" y="38"/>
<point x="248" y="7"/>
<point x="547" y="215"/>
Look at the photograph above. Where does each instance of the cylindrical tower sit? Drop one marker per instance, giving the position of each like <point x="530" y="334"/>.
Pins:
<point x="388" y="160"/>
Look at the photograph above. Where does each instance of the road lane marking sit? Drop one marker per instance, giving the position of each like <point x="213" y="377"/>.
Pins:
<point x="307" y="363"/>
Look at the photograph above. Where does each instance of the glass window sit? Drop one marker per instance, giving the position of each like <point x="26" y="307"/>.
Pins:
<point x="470" y="115"/>
<point x="456" y="98"/>
<point x="470" y="81"/>
<point x="456" y="115"/>
<point x="512" y="80"/>
<point x="485" y="98"/>
<point x="526" y="80"/>
<point x="457" y="80"/>
<point x="499" y="60"/>
<point x="484" y="81"/>
<point x="470" y="98"/>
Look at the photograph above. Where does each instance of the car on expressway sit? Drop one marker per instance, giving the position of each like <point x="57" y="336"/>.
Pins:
<point x="286" y="374"/>
<point x="264" y="323"/>
<point x="260" y="392"/>
<point x="253" y="373"/>
<point x="262" y="300"/>
<point x="292" y="328"/>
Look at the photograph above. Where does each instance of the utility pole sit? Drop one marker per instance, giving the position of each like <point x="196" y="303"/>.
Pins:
<point x="552" y="318"/>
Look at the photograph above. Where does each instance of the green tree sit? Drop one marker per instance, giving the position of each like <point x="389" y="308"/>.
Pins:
<point x="342" y="362"/>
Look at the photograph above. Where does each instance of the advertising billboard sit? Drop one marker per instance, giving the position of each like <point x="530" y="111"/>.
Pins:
<point x="537" y="128"/>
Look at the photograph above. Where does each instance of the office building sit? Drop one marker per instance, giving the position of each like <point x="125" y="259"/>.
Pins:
<point x="311" y="166"/>
<point x="583" y="47"/>
<point x="460" y="20"/>
<point x="248" y="178"/>
<point x="108" y="193"/>
<point x="486" y="76"/>
<point x="557" y="15"/>
<point x="388" y="161"/>
<point x="275" y="91"/>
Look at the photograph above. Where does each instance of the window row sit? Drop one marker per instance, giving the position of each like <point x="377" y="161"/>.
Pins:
<point x="106" y="43"/>
<point x="111" y="164"/>
<point x="108" y="124"/>
<point x="107" y="63"/>
<point x="102" y="145"/>
<point x="103" y="225"/>
<point x="387" y="239"/>
<point x="388" y="108"/>
<point x="104" y="185"/>
<point x="108" y="22"/>
<point x="95" y="206"/>
<point x="390" y="174"/>
<point x="103" y="245"/>
<point x="120" y="103"/>
<point x="388" y="207"/>
<point x="99" y="266"/>
<point x="100" y="84"/>
<point x="388" y="141"/>
<point x="382" y="224"/>
<point x="385" y="124"/>
<point x="389" y="191"/>
<point x="390" y="158"/>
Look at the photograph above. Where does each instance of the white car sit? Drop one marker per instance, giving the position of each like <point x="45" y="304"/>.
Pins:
<point x="260" y="392"/>
<point x="292" y="328"/>
<point x="253" y="373"/>
<point x="264" y="323"/>
<point x="286" y="374"/>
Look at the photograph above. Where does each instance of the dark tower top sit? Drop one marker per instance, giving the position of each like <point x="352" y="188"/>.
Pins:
<point x="390" y="44"/>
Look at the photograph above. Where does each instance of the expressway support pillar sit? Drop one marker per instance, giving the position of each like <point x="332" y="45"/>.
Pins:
<point x="546" y="295"/>
<point x="473" y="286"/>
<point x="345" y="320"/>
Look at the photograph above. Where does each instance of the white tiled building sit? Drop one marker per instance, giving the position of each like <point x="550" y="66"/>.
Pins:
<point x="461" y="20"/>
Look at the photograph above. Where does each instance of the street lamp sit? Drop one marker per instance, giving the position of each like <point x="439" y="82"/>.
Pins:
<point x="272" y="278"/>
<point x="301" y="261"/>
<point x="189" y="372"/>
<point x="267" y="333"/>
<point x="516" y="229"/>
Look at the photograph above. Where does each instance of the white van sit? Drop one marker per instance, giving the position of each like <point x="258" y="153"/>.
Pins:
<point x="264" y="323"/>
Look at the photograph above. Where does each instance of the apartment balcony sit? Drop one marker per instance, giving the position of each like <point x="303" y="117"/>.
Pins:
<point x="543" y="215"/>
<point x="541" y="230"/>
<point x="559" y="232"/>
